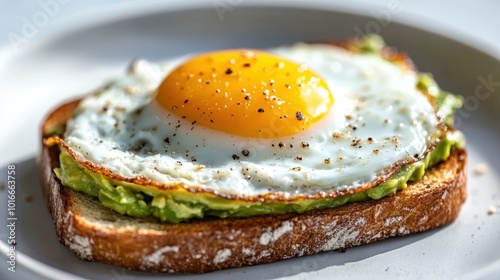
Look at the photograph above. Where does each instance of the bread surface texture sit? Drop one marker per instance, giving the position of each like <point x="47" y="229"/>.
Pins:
<point x="95" y="233"/>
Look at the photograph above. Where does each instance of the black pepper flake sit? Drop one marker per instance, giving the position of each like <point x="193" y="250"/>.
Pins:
<point x="193" y="122"/>
<point x="186" y="101"/>
<point x="298" y="158"/>
<point x="245" y="153"/>
<point x="236" y="157"/>
<point x="305" y="144"/>
<point x="246" y="65"/>
<point x="281" y="145"/>
<point x="415" y="155"/>
<point x="211" y="121"/>
<point x="229" y="71"/>
<point x="288" y="86"/>
<point x="299" y="116"/>
<point x="327" y="160"/>
<point x="167" y="140"/>
<point x="247" y="97"/>
<point x="261" y="110"/>
<point x="355" y="142"/>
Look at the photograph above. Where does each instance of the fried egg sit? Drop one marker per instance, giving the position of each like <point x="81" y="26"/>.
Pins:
<point x="305" y="120"/>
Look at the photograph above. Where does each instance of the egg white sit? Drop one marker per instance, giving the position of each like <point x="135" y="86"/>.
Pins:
<point x="378" y="119"/>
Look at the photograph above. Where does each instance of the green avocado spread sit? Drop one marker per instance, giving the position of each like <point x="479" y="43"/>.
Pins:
<point x="179" y="205"/>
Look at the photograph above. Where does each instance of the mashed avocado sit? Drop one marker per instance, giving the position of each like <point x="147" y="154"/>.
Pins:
<point x="179" y="205"/>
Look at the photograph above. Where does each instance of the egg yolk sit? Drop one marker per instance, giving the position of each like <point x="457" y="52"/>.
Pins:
<point x="248" y="93"/>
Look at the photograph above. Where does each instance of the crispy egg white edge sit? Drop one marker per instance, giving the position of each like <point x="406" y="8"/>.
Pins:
<point x="399" y="119"/>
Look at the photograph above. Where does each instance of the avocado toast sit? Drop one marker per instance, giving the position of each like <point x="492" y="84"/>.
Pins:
<point x="124" y="223"/>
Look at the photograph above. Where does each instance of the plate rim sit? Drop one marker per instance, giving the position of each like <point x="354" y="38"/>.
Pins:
<point x="412" y="22"/>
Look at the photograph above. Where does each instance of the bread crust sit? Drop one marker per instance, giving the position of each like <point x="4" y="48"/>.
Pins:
<point x="95" y="233"/>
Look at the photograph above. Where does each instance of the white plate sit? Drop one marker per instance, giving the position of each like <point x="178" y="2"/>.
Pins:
<point x="83" y="57"/>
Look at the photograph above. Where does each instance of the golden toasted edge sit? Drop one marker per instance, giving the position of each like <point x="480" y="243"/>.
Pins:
<point x="268" y="197"/>
<point x="207" y="245"/>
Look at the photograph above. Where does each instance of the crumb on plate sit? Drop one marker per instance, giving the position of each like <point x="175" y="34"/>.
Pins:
<point x="480" y="169"/>
<point x="29" y="198"/>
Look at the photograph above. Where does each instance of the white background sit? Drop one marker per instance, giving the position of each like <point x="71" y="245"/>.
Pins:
<point x="475" y="20"/>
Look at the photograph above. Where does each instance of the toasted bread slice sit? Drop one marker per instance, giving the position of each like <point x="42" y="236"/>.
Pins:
<point x="96" y="233"/>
